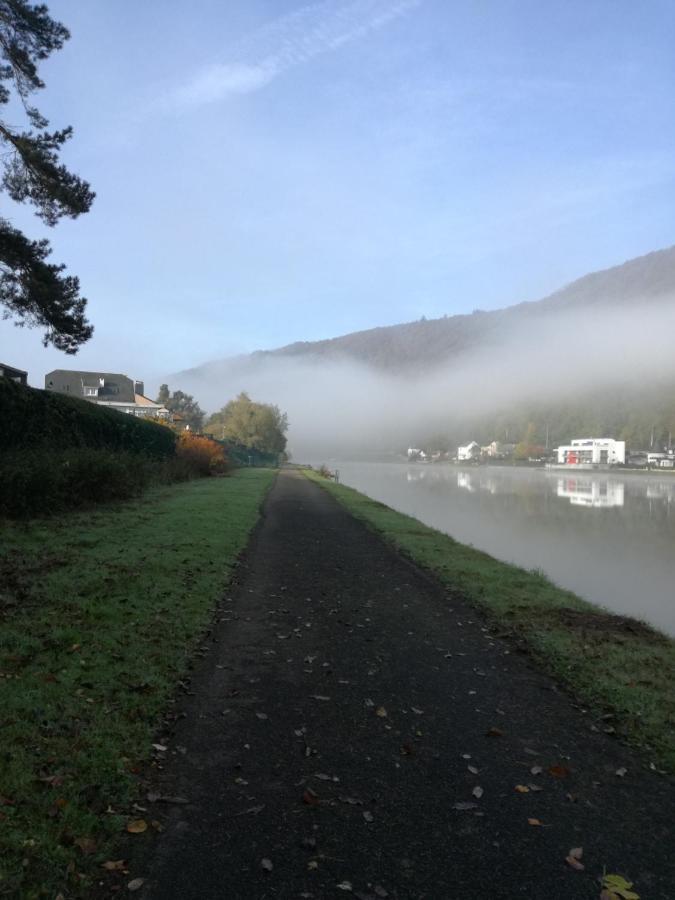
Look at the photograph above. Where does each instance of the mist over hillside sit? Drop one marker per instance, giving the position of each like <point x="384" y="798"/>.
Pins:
<point x="597" y="354"/>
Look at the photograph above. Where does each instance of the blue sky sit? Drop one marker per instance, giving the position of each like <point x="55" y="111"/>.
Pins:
<point x="277" y="171"/>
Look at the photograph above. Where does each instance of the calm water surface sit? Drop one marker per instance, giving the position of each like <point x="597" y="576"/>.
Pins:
<point x="610" y="538"/>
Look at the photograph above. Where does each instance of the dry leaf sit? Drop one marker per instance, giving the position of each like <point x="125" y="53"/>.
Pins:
<point x="473" y="770"/>
<point x="344" y="886"/>
<point x="137" y="826"/>
<point x="114" y="865"/>
<point x="534" y="822"/>
<point x="522" y="789"/>
<point x="573" y="859"/>
<point x="381" y="712"/>
<point x="477" y="792"/>
<point x="558" y="771"/>
<point x="494" y="732"/>
<point x="621" y="772"/>
<point x="86" y="845"/>
<point x="617" y="886"/>
<point x="136" y="884"/>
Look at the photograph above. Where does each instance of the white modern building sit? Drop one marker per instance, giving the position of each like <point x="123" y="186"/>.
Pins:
<point x="470" y="451"/>
<point x="592" y="452"/>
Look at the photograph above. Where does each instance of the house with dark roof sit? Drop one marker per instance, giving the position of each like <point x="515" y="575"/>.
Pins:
<point x="13" y="374"/>
<point x="106" y="389"/>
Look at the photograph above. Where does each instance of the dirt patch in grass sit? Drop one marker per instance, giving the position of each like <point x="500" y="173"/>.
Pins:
<point x="605" y="626"/>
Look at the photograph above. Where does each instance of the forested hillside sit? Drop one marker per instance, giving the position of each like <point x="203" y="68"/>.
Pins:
<point x="595" y="357"/>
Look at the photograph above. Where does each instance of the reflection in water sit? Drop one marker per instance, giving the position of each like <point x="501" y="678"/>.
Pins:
<point x="610" y="537"/>
<point x="591" y="492"/>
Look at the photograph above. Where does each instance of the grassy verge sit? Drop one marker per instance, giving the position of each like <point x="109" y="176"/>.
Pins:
<point x="100" y="611"/>
<point x="611" y="663"/>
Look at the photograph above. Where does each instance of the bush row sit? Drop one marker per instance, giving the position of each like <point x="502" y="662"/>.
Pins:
<point x="43" y="482"/>
<point x="34" y="419"/>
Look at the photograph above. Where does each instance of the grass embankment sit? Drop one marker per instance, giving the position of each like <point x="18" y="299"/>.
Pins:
<point x="100" y="612"/>
<point x="613" y="664"/>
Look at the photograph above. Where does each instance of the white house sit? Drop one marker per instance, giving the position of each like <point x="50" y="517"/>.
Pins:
<point x="469" y="452"/>
<point x="592" y="451"/>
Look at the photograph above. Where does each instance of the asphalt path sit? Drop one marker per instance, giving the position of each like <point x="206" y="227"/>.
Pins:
<point x="352" y="729"/>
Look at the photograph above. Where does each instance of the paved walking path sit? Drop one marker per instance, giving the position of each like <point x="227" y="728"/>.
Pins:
<point x="354" y="730"/>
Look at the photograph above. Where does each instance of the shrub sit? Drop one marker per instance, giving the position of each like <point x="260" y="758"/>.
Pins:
<point x="43" y="482"/>
<point x="202" y="455"/>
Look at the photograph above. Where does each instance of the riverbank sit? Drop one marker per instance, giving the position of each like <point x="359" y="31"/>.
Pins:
<point x="102" y="612"/>
<point x="618" y="667"/>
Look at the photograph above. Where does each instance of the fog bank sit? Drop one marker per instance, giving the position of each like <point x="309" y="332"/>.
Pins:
<point x="342" y="407"/>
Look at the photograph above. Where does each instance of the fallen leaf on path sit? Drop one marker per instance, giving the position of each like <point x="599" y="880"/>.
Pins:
<point x="310" y="798"/>
<point x="262" y="716"/>
<point x="160" y="747"/>
<point x="534" y="822"/>
<point x="573" y="859"/>
<point x="473" y="770"/>
<point x="621" y="772"/>
<point x="618" y="886"/>
<point x="522" y="789"/>
<point x="137" y="826"/>
<point x="536" y="770"/>
<point x="558" y="771"/>
<point x="114" y="865"/>
<point x="312" y="864"/>
<point x="418" y="712"/>
<point x="266" y="864"/>
<point x="135" y="884"/>
<point x="494" y="732"/>
<point x="477" y="792"/>
<point x="381" y="712"/>
<point x="344" y="886"/>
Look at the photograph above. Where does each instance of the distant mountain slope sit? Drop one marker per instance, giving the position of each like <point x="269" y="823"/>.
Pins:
<point x="425" y="343"/>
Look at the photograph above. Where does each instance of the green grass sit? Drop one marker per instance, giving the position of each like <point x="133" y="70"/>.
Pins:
<point x="612" y="664"/>
<point x="100" y="613"/>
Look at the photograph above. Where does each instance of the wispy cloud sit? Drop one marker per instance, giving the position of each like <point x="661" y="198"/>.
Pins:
<point x="287" y="42"/>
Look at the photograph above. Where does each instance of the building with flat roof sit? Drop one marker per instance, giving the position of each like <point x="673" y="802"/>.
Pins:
<point x="592" y="451"/>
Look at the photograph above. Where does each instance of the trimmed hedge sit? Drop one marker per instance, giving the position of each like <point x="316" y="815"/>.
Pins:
<point x="33" y="419"/>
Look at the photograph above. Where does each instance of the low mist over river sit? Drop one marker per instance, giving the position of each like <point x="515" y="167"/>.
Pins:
<point x="608" y="537"/>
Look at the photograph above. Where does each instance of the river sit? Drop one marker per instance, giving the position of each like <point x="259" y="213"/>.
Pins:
<point x="609" y="537"/>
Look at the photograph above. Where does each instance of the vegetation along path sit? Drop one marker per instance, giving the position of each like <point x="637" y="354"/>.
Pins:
<point x="356" y="729"/>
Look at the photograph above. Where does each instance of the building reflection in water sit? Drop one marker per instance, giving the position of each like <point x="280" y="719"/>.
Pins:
<point x="591" y="492"/>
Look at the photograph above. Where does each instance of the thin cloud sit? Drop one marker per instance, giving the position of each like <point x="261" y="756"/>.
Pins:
<point x="287" y="42"/>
